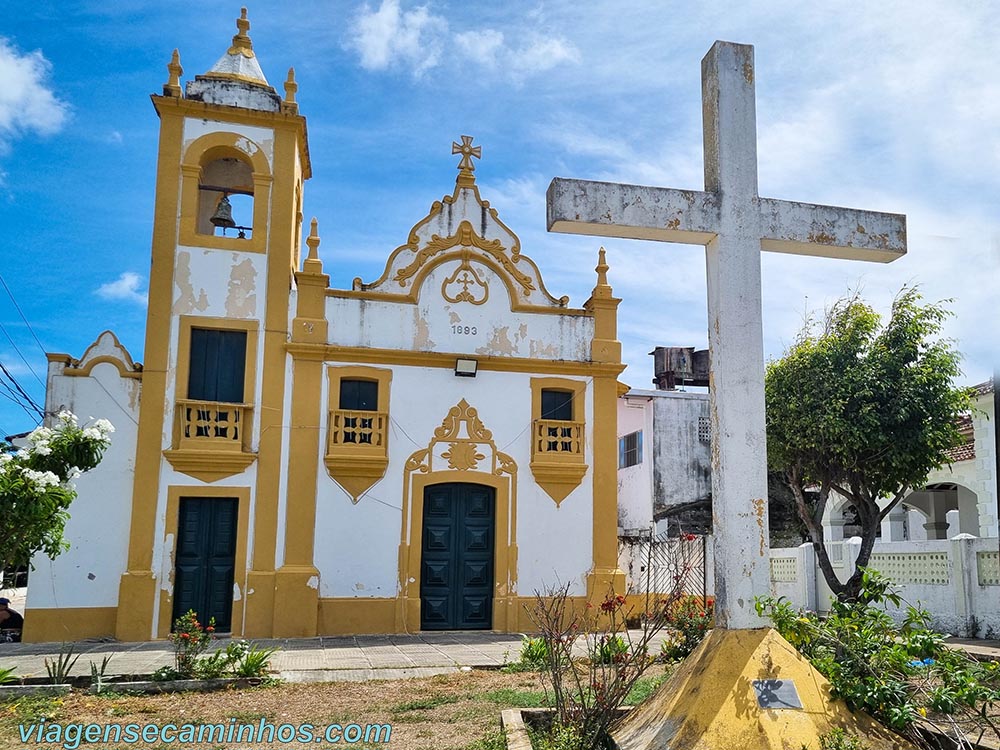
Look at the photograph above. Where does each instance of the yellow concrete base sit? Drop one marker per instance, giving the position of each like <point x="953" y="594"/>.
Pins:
<point x="296" y="602"/>
<point x="136" y="602"/>
<point x="710" y="702"/>
<point x="62" y="625"/>
<point x="259" y="607"/>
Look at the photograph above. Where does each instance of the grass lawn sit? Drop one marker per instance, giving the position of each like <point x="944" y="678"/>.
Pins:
<point x="448" y="712"/>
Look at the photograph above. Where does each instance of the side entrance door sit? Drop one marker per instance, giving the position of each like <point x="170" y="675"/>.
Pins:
<point x="456" y="568"/>
<point x="205" y="559"/>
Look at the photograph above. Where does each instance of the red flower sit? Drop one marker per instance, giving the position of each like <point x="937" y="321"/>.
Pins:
<point x="185" y="635"/>
<point x="210" y="629"/>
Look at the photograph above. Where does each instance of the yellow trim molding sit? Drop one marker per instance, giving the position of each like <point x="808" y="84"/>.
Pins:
<point x="559" y="473"/>
<point x="472" y="457"/>
<point x="68" y="624"/>
<point x="174" y="495"/>
<point x="446" y="360"/>
<point x="354" y="466"/>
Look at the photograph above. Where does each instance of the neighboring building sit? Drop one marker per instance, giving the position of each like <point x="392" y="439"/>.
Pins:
<point x="415" y="453"/>
<point x="664" y="452"/>
<point x="959" y="498"/>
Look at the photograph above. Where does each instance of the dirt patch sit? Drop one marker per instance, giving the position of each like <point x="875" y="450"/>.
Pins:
<point x="446" y="712"/>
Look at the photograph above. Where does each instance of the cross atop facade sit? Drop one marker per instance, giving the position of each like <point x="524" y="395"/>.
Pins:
<point x="468" y="151"/>
<point x="735" y="224"/>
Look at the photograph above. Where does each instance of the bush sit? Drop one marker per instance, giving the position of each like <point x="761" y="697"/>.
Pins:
<point x="689" y="620"/>
<point x="900" y="674"/>
<point x="190" y="641"/>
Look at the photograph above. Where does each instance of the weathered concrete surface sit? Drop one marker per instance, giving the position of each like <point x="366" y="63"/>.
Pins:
<point x="710" y="703"/>
<point x="734" y="224"/>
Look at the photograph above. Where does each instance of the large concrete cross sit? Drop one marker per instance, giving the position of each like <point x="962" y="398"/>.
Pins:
<point x="734" y="224"/>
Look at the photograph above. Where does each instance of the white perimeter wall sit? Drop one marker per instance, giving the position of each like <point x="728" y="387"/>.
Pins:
<point x="635" y="483"/>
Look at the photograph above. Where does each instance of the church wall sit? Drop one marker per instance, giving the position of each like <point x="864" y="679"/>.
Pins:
<point x="433" y="324"/>
<point x="357" y="545"/>
<point x="86" y="576"/>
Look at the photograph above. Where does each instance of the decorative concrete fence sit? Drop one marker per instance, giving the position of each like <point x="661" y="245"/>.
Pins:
<point x="956" y="580"/>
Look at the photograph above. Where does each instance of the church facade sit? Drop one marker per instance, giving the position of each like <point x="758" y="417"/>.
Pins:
<point x="420" y="452"/>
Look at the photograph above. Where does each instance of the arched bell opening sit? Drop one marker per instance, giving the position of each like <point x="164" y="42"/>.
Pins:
<point x="225" y="195"/>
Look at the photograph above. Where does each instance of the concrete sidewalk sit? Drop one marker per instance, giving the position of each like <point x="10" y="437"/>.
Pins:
<point x="297" y="660"/>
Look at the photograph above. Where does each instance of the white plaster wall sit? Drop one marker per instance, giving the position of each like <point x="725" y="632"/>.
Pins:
<point x="635" y="483"/>
<point x="357" y="545"/>
<point x="262" y="138"/>
<point x="89" y="573"/>
<point x="489" y="329"/>
<point x="682" y="464"/>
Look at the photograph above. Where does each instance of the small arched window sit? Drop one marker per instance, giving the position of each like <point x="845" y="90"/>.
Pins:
<point x="225" y="197"/>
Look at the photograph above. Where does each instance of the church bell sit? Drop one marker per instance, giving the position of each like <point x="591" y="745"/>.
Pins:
<point x="223" y="216"/>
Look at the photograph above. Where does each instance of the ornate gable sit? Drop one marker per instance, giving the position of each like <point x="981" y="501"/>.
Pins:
<point x="462" y="227"/>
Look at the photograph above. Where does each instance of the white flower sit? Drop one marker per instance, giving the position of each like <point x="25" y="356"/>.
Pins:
<point x="92" y="433"/>
<point x="40" y="479"/>
<point x="67" y="418"/>
<point x="73" y="473"/>
<point x="40" y="434"/>
<point x="43" y="448"/>
<point x="104" y="426"/>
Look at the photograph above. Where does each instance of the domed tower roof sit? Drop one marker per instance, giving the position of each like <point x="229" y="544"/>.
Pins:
<point x="236" y="79"/>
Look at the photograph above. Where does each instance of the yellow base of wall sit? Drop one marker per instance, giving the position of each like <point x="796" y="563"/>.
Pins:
<point x="334" y="616"/>
<point x="74" y="624"/>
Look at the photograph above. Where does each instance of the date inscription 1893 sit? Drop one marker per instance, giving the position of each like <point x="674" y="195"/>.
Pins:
<point x="465" y="330"/>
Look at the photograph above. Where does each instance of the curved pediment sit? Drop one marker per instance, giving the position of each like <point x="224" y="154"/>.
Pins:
<point x="466" y="227"/>
<point x="107" y="348"/>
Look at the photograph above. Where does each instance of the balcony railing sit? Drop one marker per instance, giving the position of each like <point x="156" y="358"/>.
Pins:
<point x="212" y="424"/>
<point x="351" y="430"/>
<point x="555" y="437"/>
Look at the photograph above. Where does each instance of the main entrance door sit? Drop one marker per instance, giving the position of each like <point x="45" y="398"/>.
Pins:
<point x="205" y="559"/>
<point x="456" y="567"/>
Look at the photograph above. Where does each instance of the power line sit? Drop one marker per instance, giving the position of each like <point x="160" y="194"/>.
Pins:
<point x="30" y="368"/>
<point x="17" y="386"/>
<point x="19" y="312"/>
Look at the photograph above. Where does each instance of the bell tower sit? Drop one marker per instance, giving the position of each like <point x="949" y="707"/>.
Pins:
<point x="233" y="157"/>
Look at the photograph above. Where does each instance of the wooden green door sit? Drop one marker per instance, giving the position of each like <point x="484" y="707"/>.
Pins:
<point x="456" y="568"/>
<point x="205" y="559"/>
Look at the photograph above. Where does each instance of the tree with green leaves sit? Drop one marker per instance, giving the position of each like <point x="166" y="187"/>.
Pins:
<point x="36" y="486"/>
<point x="865" y="409"/>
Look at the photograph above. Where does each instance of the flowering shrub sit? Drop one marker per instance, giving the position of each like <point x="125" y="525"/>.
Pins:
<point x="36" y="485"/>
<point x="190" y="641"/>
<point x="903" y="675"/>
<point x="689" y="620"/>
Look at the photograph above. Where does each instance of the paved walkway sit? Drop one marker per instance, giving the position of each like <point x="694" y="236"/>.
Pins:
<point x="300" y="659"/>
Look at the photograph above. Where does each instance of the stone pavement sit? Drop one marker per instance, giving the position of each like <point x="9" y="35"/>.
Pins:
<point x="323" y="659"/>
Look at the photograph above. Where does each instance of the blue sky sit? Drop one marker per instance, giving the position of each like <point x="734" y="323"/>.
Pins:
<point x="891" y="106"/>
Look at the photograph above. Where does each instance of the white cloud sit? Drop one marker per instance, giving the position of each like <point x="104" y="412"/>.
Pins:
<point x="125" y="287"/>
<point x="26" y="101"/>
<point x="390" y="36"/>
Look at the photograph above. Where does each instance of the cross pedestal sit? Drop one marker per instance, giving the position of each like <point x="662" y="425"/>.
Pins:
<point x="744" y="687"/>
<point x="734" y="224"/>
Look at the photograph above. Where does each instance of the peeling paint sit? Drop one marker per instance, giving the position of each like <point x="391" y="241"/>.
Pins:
<point x="250" y="592"/>
<point x="241" y="300"/>
<point x="167" y="584"/>
<point x="236" y="592"/>
<point x="246" y="146"/>
<point x="454" y="318"/>
<point x="748" y="72"/>
<point x="760" y="511"/>
<point x="187" y="302"/>
<point x="543" y="350"/>
<point x="313" y="582"/>
<point x="421" y="333"/>
<point x="359" y="586"/>
<point x="499" y="344"/>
